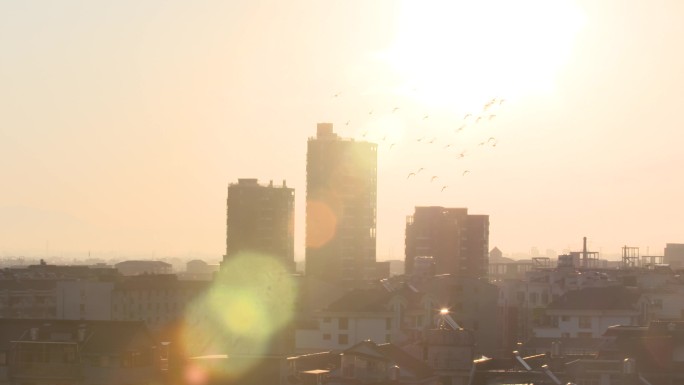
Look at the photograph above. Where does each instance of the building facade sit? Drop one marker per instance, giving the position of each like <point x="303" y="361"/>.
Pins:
<point x="260" y="219"/>
<point x="457" y="242"/>
<point x="341" y="205"/>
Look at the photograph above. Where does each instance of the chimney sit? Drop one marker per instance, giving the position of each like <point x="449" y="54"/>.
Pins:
<point x="394" y="373"/>
<point x="81" y="333"/>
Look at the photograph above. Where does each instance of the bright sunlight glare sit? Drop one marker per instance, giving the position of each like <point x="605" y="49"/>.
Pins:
<point x="465" y="52"/>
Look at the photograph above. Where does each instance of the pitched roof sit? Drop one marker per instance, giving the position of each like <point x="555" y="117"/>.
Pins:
<point x="393" y="354"/>
<point x="362" y="300"/>
<point x="100" y="336"/>
<point x="598" y="298"/>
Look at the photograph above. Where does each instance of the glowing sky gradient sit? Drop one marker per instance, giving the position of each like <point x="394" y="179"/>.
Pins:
<point x="121" y="123"/>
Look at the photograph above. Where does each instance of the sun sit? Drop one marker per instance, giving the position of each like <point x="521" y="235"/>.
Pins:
<point x="466" y="52"/>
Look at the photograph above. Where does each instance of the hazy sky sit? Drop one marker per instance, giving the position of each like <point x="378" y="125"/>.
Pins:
<point x="122" y="122"/>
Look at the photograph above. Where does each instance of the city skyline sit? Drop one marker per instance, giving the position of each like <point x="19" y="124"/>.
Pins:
<point x="120" y="128"/>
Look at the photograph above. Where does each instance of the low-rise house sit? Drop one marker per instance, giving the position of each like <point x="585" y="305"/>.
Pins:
<point x="586" y="314"/>
<point x="76" y="352"/>
<point x="363" y="363"/>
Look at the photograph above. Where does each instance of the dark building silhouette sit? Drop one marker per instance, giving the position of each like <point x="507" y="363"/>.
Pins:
<point x="457" y="242"/>
<point x="674" y="255"/>
<point x="341" y="189"/>
<point x="260" y="219"/>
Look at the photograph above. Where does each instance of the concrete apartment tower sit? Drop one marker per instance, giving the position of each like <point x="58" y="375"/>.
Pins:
<point x="260" y="219"/>
<point x="341" y="201"/>
<point x="457" y="242"/>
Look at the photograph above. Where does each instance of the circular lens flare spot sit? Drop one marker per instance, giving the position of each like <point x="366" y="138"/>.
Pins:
<point x="322" y="224"/>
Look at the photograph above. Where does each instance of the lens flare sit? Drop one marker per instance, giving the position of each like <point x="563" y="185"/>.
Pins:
<point x="243" y="315"/>
<point x="323" y="224"/>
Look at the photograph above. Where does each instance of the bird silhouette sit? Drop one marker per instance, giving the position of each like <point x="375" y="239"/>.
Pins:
<point x="468" y="115"/>
<point x="460" y="128"/>
<point x="420" y="169"/>
<point x="461" y="155"/>
<point x="410" y="175"/>
<point x="392" y="145"/>
<point x="420" y="139"/>
<point x="501" y="101"/>
<point x="395" y="109"/>
<point x="478" y="119"/>
<point x="433" y="178"/>
<point x="443" y="188"/>
<point x="492" y="116"/>
<point x="370" y="112"/>
<point x="347" y="122"/>
<point x="426" y="116"/>
<point x="384" y="138"/>
<point x="336" y="95"/>
<point x="482" y="143"/>
<point x="448" y="145"/>
<point x="491" y="138"/>
<point x="466" y="172"/>
<point x="432" y="140"/>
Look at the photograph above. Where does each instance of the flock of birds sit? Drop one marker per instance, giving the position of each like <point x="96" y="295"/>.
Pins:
<point x="469" y="121"/>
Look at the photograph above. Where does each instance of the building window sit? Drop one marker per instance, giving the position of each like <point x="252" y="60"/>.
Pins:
<point x="343" y="323"/>
<point x="584" y="322"/>
<point x="533" y="298"/>
<point x="388" y="338"/>
<point x="326" y="337"/>
<point x="388" y="324"/>
<point x="342" y="339"/>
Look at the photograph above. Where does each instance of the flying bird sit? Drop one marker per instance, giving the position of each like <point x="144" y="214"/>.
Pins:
<point x="501" y="101"/>
<point x="492" y="116"/>
<point x="336" y="95"/>
<point x="491" y="138"/>
<point x="420" y="139"/>
<point x="460" y="128"/>
<point x="426" y="116"/>
<point x="433" y="178"/>
<point x="420" y="169"/>
<point x="468" y="115"/>
<point x="461" y="155"/>
<point x="466" y="172"/>
<point x="395" y="109"/>
<point x="392" y="145"/>
<point x="432" y="140"/>
<point x="410" y="175"/>
<point x="370" y="112"/>
<point x="448" y="145"/>
<point x="478" y="119"/>
<point x="443" y="188"/>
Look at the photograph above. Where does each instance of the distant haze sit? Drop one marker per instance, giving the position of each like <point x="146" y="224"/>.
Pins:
<point x="122" y="123"/>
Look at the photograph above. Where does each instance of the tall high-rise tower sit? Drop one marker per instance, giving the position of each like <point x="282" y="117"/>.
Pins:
<point x="341" y="201"/>
<point x="457" y="242"/>
<point x="260" y="219"/>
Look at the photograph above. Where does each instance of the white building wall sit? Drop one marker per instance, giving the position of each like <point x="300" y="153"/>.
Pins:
<point x="570" y="327"/>
<point x="331" y="331"/>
